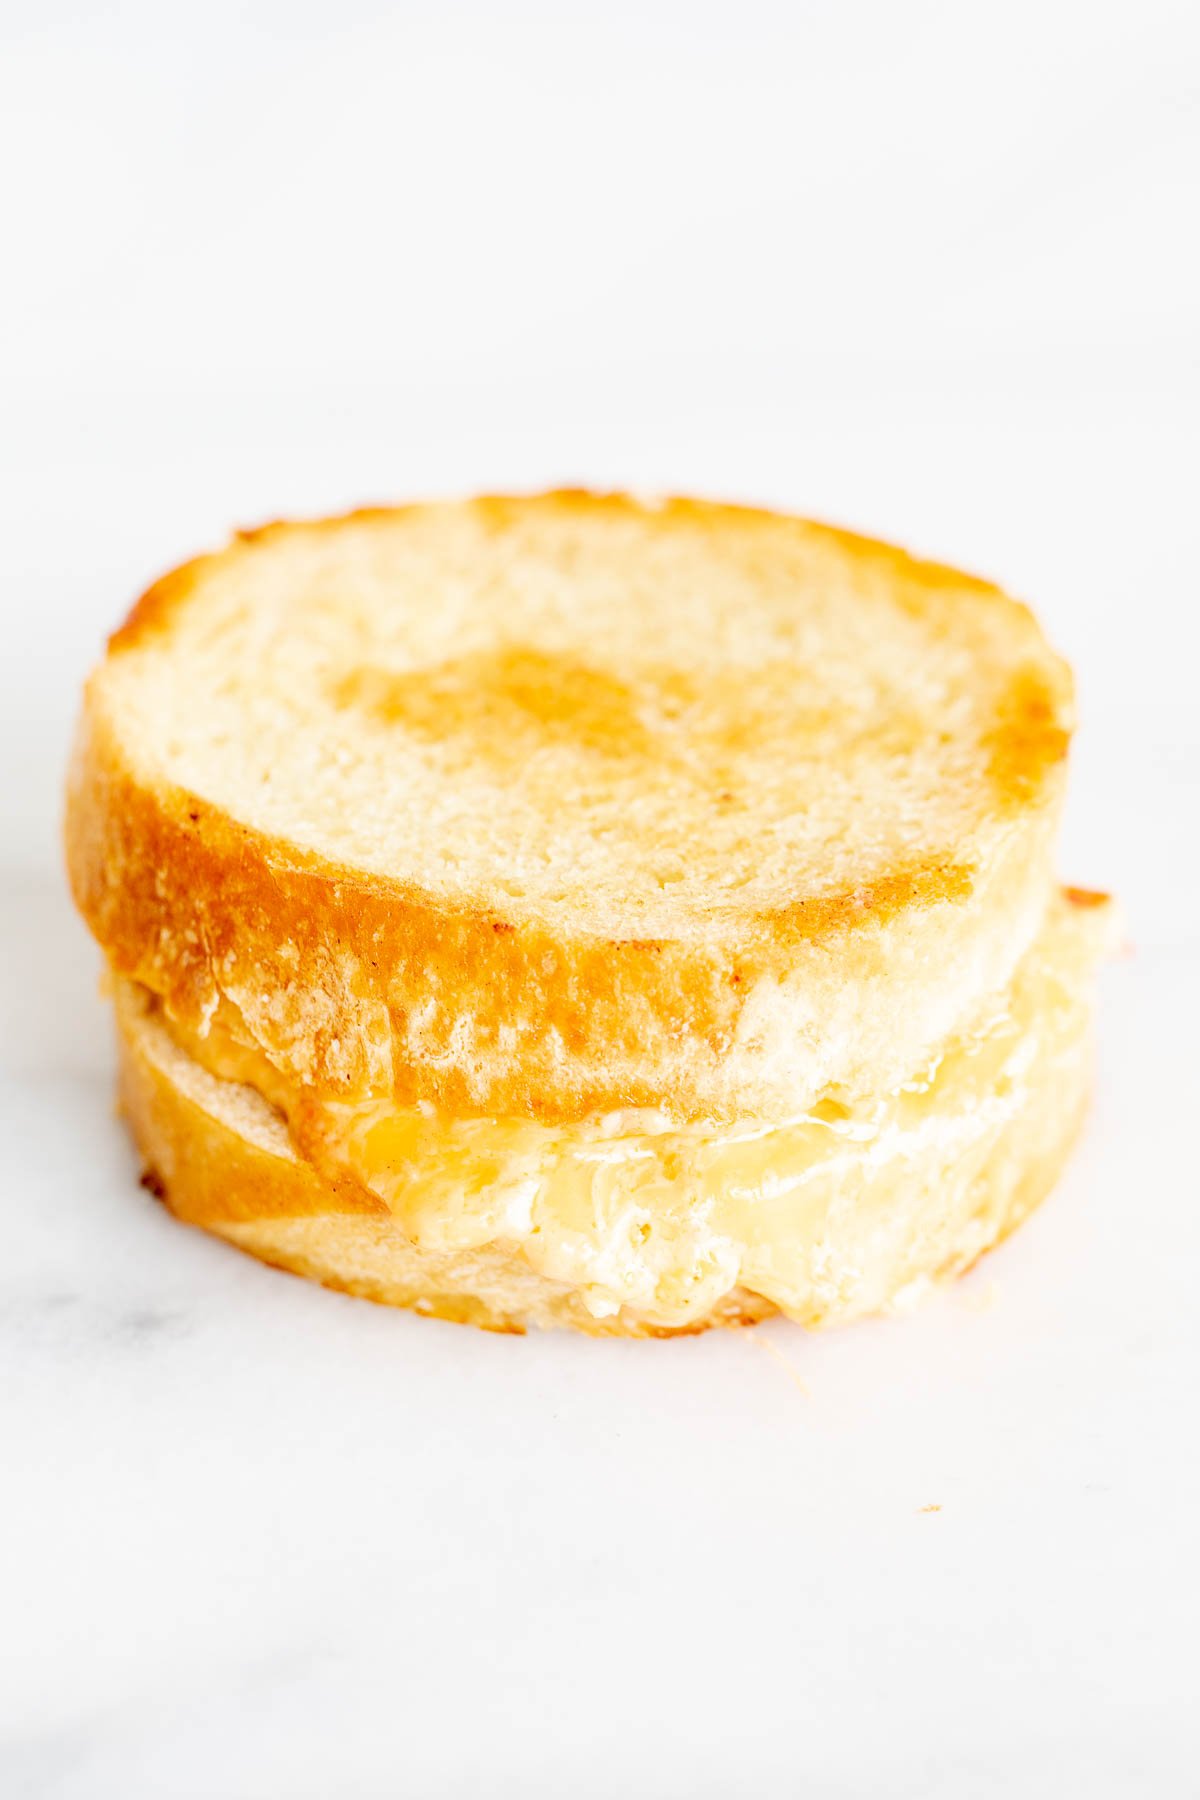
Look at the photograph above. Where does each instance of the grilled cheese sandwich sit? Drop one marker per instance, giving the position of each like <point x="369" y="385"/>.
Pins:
<point x="627" y="917"/>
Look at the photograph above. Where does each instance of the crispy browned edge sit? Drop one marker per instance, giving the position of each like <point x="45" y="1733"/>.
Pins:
<point x="170" y="886"/>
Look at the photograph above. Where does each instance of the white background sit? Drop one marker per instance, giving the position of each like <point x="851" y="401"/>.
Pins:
<point x="926" y="269"/>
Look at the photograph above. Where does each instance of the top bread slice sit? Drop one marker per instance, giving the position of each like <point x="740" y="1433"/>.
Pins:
<point x="564" y="804"/>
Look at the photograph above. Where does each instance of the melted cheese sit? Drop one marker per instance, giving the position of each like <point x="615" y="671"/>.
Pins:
<point x="634" y="1211"/>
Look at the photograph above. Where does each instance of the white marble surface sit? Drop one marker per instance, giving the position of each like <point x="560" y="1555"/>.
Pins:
<point x="924" y="270"/>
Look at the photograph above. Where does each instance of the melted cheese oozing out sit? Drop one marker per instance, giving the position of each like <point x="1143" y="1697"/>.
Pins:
<point x="633" y="1211"/>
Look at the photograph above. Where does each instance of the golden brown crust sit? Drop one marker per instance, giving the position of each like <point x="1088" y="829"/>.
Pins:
<point x="1032" y="732"/>
<point x="326" y="967"/>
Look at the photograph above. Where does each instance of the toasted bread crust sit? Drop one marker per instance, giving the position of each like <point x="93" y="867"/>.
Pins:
<point x="329" y="968"/>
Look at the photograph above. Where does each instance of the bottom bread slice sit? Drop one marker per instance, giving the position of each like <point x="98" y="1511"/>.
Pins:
<point x="910" y="1190"/>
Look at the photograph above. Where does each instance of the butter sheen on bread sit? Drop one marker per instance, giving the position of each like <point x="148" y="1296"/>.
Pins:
<point x="571" y="910"/>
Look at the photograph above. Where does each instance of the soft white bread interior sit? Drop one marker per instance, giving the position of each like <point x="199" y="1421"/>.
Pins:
<point x="632" y="1224"/>
<point x="544" y="808"/>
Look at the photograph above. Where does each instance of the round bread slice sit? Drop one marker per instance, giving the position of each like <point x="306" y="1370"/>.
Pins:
<point x="546" y="807"/>
<point x="842" y="1213"/>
